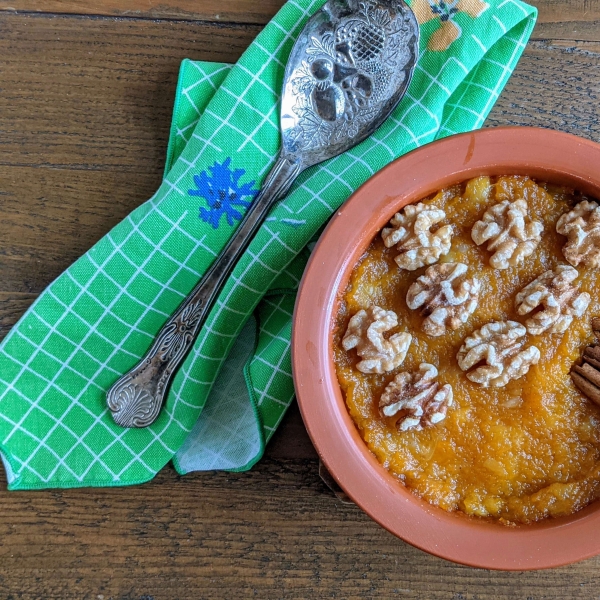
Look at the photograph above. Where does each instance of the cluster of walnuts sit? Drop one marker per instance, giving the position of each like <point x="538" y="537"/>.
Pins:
<point x="446" y="297"/>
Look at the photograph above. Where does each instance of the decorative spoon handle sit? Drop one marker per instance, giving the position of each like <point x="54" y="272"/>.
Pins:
<point x="136" y="399"/>
<point x="347" y="71"/>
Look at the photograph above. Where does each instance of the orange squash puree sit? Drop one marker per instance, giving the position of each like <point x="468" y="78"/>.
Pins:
<point x="518" y="453"/>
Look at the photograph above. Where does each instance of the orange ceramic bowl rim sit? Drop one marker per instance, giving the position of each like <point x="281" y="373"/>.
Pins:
<point x="544" y="154"/>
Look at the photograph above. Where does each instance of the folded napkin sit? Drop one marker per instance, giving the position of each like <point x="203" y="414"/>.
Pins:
<point x="99" y="317"/>
<point x="236" y="422"/>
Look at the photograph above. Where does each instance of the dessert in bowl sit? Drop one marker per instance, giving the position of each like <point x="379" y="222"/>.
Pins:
<point x="454" y="343"/>
<point x="446" y="420"/>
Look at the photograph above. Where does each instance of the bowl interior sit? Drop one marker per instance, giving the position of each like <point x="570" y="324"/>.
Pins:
<point x="542" y="154"/>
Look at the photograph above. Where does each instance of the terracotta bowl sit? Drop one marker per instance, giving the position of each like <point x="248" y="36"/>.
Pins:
<point x="543" y="154"/>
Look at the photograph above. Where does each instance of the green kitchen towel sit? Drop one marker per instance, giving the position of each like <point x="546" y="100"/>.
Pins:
<point x="99" y="317"/>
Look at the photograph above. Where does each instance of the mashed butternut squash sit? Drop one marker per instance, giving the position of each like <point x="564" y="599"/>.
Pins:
<point x="518" y="453"/>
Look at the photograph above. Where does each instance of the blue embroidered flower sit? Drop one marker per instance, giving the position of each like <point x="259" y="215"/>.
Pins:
<point x="223" y="193"/>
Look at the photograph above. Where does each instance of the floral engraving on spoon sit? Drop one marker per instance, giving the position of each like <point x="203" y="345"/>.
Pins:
<point x="348" y="74"/>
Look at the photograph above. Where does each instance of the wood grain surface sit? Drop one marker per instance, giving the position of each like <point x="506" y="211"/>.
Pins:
<point x="559" y="19"/>
<point x="86" y="93"/>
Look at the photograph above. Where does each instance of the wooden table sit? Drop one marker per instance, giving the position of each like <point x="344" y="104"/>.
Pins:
<point x="86" y="91"/>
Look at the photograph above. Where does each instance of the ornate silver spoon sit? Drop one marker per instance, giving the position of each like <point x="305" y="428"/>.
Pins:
<point x="347" y="71"/>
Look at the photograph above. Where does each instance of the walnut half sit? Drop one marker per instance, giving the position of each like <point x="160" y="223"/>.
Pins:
<point x="509" y="231"/>
<point x="417" y="245"/>
<point x="582" y="228"/>
<point x="417" y="398"/>
<point x="447" y="296"/>
<point x="499" y="345"/>
<point x="365" y="333"/>
<point x="559" y="299"/>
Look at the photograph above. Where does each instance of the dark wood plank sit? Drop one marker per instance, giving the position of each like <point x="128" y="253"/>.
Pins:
<point x="553" y="87"/>
<point x="567" y="20"/>
<point x="92" y="96"/>
<point x="49" y="219"/>
<point x="558" y="19"/>
<point x="96" y="93"/>
<point x="274" y="532"/>
<point x="83" y="143"/>
<point x="239" y="11"/>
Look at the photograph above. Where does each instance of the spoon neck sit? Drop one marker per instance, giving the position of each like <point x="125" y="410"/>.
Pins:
<point x="280" y="178"/>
